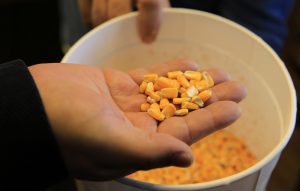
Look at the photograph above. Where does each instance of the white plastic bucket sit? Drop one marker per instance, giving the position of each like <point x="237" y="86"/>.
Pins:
<point x="269" y="111"/>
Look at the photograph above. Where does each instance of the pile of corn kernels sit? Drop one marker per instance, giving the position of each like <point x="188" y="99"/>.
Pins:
<point x="176" y="94"/>
<point x="218" y="155"/>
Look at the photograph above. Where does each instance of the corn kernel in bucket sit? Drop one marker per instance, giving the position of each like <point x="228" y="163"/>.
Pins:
<point x="218" y="155"/>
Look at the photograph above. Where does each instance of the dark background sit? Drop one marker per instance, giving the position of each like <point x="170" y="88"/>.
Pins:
<point x="29" y="30"/>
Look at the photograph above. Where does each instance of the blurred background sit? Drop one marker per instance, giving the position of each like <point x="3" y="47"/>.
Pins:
<point x="32" y="30"/>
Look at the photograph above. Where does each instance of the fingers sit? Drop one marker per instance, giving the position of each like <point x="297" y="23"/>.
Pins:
<point x="160" y="150"/>
<point x="165" y="3"/>
<point x="141" y="151"/>
<point x="228" y="90"/>
<point x="118" y="7"/>
<point x="99" y="12"/>
<point x="149" y="19"/>
<point x="85" y="11"/>
<point x="202" y="122"/>
<point x="218" y="75"/>
<point x="162" y="69"/>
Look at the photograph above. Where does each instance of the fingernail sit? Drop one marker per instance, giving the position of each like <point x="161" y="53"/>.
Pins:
<point x="192" y="64"/>
<point x="195" y="65"/>
<point x="183" y="159"/>
<point x="149" y="36"/>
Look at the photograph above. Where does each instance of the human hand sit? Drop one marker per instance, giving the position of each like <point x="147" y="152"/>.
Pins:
<point x="96" y="119"/>
<point x="95" y="12"/>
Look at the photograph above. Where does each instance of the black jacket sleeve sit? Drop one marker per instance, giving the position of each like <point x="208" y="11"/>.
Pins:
<point x="30" y="158"/>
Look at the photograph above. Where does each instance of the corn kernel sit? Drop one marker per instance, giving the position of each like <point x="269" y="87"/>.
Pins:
<point x="201" y="85"/>
<point x="193" y="75"/>
<point x="169" y="93"/>
<point x="194" y="82"/>
<point x="163" y="102"/>
<point x="163" y="82"/>
<point x="155" y="106"/>
<point x="150" y="100"/>
<point x="183" y="81"/>
<point x="181" y="112"/>
<point x="145" y="106"/>
<point x="222" y="154"/>
<point x="169" y="110"/>
<point x="150" y="77"/>
<point x="175" y="84"/>
<point x="191" y="91"/>
<point x="197" y="100"/>
<point x="182" y="90"/>
<point x="149" y="88"/>
<point x="143" y="87"/>
<point x="155" y="96"/>
<point x="189" y="105"/>
<point x="208" y="78"/>
<point x="156" y="114"/>
<point x="205" y="95"/>
<point x="180" y="100"/>
<point x="174" y="74"/>
<point x="183" y="95"/>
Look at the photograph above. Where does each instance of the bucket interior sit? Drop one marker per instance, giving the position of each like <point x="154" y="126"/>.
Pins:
<point x="267" y="116"/>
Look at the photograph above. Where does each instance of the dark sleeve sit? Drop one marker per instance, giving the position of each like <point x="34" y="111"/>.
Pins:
<point x="266" y="18"/>
<point x="30" y="158"/>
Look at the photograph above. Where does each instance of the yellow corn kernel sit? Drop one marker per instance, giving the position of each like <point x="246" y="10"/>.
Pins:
<point x="182" y="90"/>
<point x="149" y="88"/>
<point x="205" y="95"/>
<point x="175" y="84"/>
<point x="163" y="82"/>
<point x="194" y="82"/>
<point x="183" y="95"/>
<point x="156" y="87"/>
<point x="155" y="96"/>
<point x="189" y="105"/>
<point x="169" y="93"/>
<point x="174" y="74"/>
<point x="158" y="93"/>
<point x="208" y="78"/>
<point x="181" y="112"/>
<point x="156" y="114"/>
<point x="181" y="100"/>
<point x="155" y="106"/>
<point x="150" y="100"/>
<point x="150" y="77"/>
<point x="145" y="106"/>
<point x="163" y="102"/>
<point x="169" y="110"/>
<point x="191" y="91"/>
<point x="197" y="100"/>
<point x="202" y="85"/>
<point x="193" y="75"/>
<point x="183" y="81"/>
<point x="143" y="87"/>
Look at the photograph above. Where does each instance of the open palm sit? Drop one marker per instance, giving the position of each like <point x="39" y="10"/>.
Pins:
<point x="95" y="116"/>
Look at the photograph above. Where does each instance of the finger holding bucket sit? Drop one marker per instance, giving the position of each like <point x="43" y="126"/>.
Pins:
<point x="150" y="18"/>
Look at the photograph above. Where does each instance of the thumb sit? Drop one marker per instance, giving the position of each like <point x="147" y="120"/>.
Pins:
<point x="161" y="150"/>
<point x="149" y="19"/>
